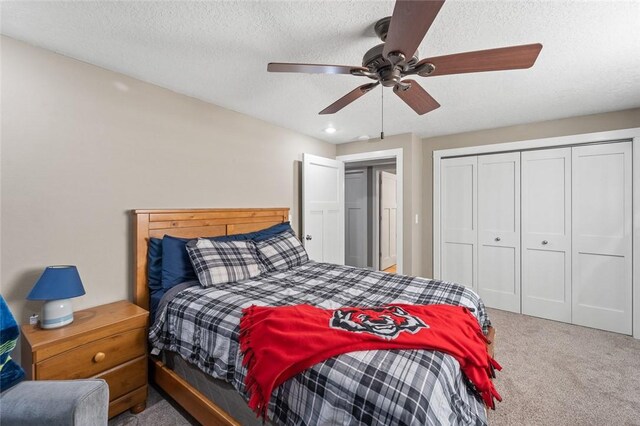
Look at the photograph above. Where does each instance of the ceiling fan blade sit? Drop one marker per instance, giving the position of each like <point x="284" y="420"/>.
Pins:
<point x="348" y="98"/>
<point x="410" y="22"/>
<point x="312" y="68"/>
<point x="504" y="58"/>
<point x="416" y="97"/>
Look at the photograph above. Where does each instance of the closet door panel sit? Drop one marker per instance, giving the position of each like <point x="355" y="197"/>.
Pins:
<point x="546" y="234"/>
<point x="499" y="230"/>
<point x="602" y="258"/>
<point x="545" y="282"/>
<point x="459" y="220"/>
<point x="457" y="263"/>
<point x="498" y="275"/>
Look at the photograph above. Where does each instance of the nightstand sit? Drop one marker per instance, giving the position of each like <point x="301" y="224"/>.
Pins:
<point x="107" y="342"/>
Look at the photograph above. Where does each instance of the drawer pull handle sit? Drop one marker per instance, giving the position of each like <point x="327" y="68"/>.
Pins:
<point x="100" y="356"/>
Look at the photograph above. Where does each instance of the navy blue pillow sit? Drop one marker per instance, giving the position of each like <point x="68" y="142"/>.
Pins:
<point x="265" y="234"/>
<point x="176" y="265"/>
<point x="154" y="264"/>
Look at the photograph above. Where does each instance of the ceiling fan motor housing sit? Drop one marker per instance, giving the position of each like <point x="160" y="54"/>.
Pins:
<point x="385" y="71"/>
<point x="374" y="60"/>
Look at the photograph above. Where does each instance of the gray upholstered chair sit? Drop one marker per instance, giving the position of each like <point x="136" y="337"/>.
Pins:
<point x="56" y="403"/>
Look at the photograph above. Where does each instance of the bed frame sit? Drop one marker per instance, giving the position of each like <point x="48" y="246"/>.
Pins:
<point x="192" y="223"/>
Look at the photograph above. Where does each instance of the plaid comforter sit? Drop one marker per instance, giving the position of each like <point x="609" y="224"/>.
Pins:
<point x="399" y="387"/>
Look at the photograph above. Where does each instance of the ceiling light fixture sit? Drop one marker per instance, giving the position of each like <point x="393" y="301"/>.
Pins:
<point x="330" y="130"/>
<point x="364" y="138"/>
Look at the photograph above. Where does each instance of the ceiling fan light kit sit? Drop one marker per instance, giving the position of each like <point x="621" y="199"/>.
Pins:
<point x="397" y="57"/>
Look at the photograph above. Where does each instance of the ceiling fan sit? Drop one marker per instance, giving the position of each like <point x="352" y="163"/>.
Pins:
<point x="397" y="57"/>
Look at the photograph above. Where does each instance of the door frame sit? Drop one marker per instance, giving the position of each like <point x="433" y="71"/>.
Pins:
<point x="385" y="155"/>
<point x="632" y="135"/>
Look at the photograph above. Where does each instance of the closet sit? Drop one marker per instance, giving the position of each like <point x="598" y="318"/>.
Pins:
<point x="543" y="232"/>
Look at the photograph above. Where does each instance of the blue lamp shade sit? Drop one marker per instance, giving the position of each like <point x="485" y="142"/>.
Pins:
<point x="56" y="286"/>
<point x="57" y="282"/>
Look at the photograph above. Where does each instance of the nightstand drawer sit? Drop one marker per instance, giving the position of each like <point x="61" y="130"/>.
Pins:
<point x="93" y="358"/>
<point x="126" y="377"/>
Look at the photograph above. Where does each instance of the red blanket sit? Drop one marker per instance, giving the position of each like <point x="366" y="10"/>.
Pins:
<point x="280" y="342"/>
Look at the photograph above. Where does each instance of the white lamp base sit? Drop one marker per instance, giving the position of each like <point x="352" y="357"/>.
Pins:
<point x="56" y="313"/>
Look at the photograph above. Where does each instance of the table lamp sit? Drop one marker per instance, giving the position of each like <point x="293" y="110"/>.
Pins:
<point x="56" y="286"/>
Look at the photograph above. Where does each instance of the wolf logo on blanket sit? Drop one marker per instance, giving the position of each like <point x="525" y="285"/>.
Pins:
<point x="387" y="322"/>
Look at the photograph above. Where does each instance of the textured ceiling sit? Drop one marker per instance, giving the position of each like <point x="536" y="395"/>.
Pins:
<point x="218" y="52"/>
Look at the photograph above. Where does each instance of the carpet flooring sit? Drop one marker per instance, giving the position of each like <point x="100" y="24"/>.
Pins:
<point x="161" y="411"/>
<point x="553" y="374"/>
<point x="562" y="374"/>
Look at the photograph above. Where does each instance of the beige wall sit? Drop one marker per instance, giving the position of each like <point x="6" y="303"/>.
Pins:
<point x="546" y="129"/>
<point x="78" y="153"/>
<point x="412" y="162"/>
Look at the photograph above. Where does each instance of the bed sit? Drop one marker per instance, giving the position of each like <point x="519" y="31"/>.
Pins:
<point x="181" y="379"/>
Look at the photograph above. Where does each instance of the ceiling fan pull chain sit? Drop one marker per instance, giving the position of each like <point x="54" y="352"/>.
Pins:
<point x="382" y="113"/>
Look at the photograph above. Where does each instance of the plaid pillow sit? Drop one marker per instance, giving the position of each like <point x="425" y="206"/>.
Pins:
<point x="218" y="262"/>
<point x="282" y="252"/>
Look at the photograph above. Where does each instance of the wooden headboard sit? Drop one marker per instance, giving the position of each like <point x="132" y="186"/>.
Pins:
<point x="192" y="223"/>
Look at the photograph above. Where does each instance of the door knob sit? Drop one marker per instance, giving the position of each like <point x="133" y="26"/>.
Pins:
<point x="308" y="238"/>
<point x="497" y="238"/>
<point x="545" y="242"/>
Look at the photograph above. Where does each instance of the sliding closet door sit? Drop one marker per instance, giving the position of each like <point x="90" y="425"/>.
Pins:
<point x="499" y="230"/>
<point x="602" y="236"/>
<point x="546" y="234"/>
<point x="459" y="230"/>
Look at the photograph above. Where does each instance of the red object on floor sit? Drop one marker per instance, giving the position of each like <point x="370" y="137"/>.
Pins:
<point x="280" y="342"/>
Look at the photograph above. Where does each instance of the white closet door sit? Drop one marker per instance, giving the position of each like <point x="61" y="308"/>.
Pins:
<point x="459" y="230"/>
<point x="602" y="236"/>
<point x="499" y="230"/>
<point x="546" y="234"/>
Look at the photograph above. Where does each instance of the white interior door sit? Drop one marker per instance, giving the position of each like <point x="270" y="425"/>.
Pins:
<point x="388" y="219"/>
<point x="499" y="230"/>
<point x="546" y="233"/>
<point x="602" y="236"/>
<point x="355" y="204"/>
<point x="459" y="215"/>
<point x="323" y="208"/>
